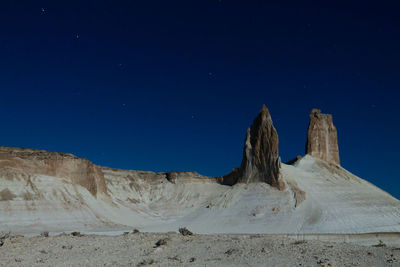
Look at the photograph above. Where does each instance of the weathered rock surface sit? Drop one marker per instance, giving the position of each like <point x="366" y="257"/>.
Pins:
<point x="261" y="161"/>
<point x="322" y="140"/>
<point x="21" y="162"/>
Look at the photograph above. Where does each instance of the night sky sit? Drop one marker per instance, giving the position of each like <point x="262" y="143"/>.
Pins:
<point x="173" y="85"/>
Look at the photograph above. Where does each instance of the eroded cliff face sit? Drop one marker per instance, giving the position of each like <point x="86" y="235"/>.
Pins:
<point x="23" y="163"/>
<point x="322" y="140"/>
<point x="261" y="161"/>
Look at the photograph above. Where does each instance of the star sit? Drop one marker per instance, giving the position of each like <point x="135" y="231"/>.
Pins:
<point x="77" y="36"/>
<point x="43" y="10"/>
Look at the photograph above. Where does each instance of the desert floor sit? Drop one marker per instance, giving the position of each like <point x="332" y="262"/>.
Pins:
<point x="174" y="249"/>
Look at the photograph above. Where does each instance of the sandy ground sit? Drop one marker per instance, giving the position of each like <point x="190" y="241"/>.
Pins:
<point x="174" y="249"/>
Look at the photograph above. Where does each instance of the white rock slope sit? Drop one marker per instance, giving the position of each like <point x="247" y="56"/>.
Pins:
<point x="319" y="198"/>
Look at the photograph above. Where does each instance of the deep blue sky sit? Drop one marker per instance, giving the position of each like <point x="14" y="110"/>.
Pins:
<point x="173" y="85"/>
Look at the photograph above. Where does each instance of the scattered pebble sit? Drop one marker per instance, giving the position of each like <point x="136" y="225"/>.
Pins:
<point x="184" y="231"/>
<point x="44" y="234"/>
<point x="161" y="242"/>
<point x="76" y="234"/>
<point x="146" y="262"/>
<point x="231" y="251"/>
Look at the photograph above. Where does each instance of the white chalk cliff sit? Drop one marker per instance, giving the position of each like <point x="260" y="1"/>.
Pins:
<point x="49" y="191"/>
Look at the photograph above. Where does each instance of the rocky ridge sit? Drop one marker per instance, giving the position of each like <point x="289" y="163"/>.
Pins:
<point x="260" y="163"/>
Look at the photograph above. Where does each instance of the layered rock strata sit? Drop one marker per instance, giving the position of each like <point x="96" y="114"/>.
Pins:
<point x="23" y="163"/>
<point x="261" y="161"/>
<point x="322" y="141"/>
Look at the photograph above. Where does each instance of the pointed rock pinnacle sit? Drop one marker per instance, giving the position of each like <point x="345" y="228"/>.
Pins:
<point x="261" y="161"/>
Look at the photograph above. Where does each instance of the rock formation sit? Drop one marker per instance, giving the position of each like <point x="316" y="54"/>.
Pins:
<point x="322" y="140"/>
<point x="57" y="192"/>
<point x="261" y="161"/>
<point x="23" y="163"/>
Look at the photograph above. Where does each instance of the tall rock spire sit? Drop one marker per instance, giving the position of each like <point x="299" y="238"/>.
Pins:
<point x="322" y="140"/>
<point x="261" y="162"/>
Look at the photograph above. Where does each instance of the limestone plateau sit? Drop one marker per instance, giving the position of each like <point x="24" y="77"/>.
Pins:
<point x="59" y="192"/>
